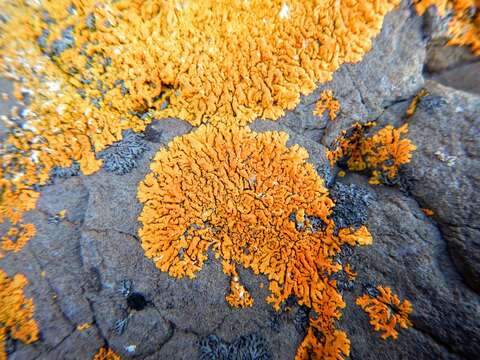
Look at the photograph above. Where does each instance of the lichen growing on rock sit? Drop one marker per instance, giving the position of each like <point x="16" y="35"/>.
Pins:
<point x="381" y="153"/>
<point x="464" y="23"/>
<point x="106" y="354"/>
<point x="16" y="312"/>
<point x="386" y="311"/>
<point x="246" y="347"/>
<point x="327" y="102"/>
<point x="198" y="60"/>
<point x="121" y="157"/>
<point x="16" y="238"/>
<point x="233" y="191"/>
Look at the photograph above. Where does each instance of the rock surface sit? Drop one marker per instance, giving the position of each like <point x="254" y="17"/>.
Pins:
<point x="76" y="265"/>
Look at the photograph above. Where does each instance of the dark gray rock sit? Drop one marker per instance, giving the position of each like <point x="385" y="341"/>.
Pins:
<point x="444" y="174"/>
<point x="410" y="256"/>
<point x="464" y="77"/>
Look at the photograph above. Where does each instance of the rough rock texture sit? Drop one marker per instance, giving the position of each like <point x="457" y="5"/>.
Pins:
<point x="75" y="265"/>
<point x="444" y="175"/>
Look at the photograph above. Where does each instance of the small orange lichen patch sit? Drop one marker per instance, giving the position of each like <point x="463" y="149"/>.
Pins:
<point x="106" y="354"/>
<point x="413" y="104"/>
<point x="239" y="297"/>
<point x="382" y="153"/>
<point x="16" y="237"/>
<point x="427" y="212"/>
<point x="350" y="272"/>
<point x="16" y="312"/>
<point x="464" y="25"/>
<point x="386" y="311"/>
<point x="84" y="326"/>
<point x="233" y="191"/>
<point x="327" y="102"/>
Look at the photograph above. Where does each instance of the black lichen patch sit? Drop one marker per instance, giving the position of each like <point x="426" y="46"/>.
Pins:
<point x="136" y="301"/>
<point x="122" y="156"/>
<point x="247" y="347"/>
<point x="351" y="205"/>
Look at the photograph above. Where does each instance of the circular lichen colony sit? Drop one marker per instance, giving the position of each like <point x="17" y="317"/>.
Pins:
<point x="253" y="201"/>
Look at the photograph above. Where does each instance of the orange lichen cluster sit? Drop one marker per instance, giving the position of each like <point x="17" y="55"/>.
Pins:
<point x="327" y="102"/>
<point x="386" y="311"/>
<point x="464" y="25"/>
<point x="210" y="60"/>
<point x="16" y="238"/>
<point x="16" y="312"/>
<point x="233" y="191"/>
<point x="106" y="354"/>
<point x="382" y="153"/>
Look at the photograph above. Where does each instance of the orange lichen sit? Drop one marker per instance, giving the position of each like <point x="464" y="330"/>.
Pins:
<point x="464" y="24"/>
<point x="211" y="61"/>
<point x="106" y="354"/>
<point x="327" y="102"/>
<point x="233" y="191"/>
<point x="412" y="107"/>
<point x="386" y="311"/>
<point x="84" y="326"/>
<point x="239" y="297"/>
<point x="382" y="153"/>
<point x="16" y="312"/>
<point x="427" y="212"/>
<point x="16" y="237"/>
<point x="350" y="272"/>
<point x="88" y="70"/>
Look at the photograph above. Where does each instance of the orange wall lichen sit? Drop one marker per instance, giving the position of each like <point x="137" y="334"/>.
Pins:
<point x="16" y="238"/>
<point x="327" y="102"/>
<point x="386" y="311"/>
<point x="16" y="312"/>
<point x="106" y="354"/>
<point x="211" y="61"/>
<point x="233" y="191"/>
<point x="87" y="70"/>
<point x="464" y="25"/>
<point x="381" y="153"/>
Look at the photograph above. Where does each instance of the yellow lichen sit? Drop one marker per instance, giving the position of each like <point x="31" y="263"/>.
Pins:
<point x="464" y="24"/>
<point x="106" y="354"/>
<point x="382" y="153"/>
<point x="233" y="191"/>
<point x="327" y="102"/>
<point x="16" y="312"/>
<point x="386" y="311"/>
